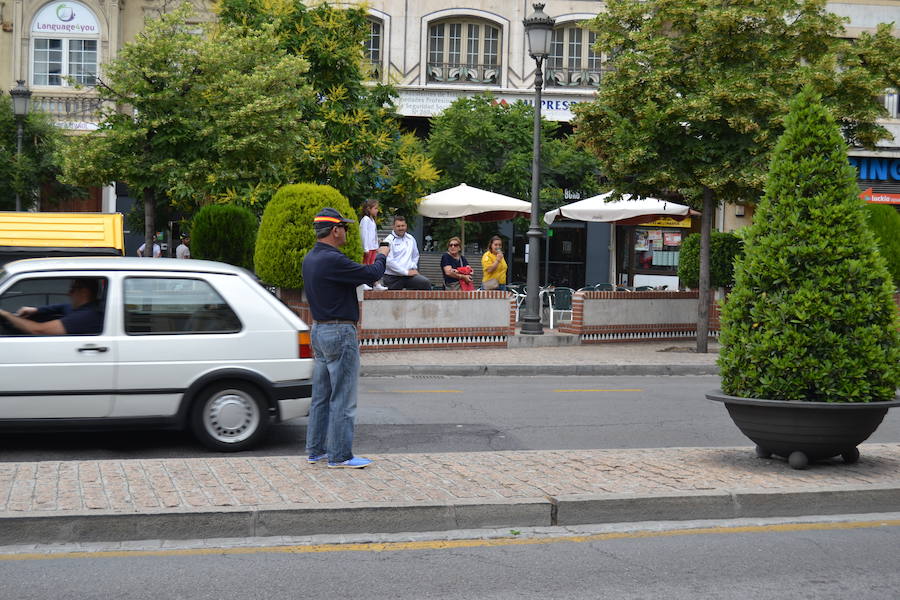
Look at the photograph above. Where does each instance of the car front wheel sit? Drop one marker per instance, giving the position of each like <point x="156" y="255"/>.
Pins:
<point x="230" y="416"/>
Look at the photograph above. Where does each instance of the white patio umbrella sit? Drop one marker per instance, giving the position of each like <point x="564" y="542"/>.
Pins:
<point x="471" y="204"/>
<point x="623" y="212"/>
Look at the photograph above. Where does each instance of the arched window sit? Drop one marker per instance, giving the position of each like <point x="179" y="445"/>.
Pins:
<point x="373" y="49"/>
<point x="464" y="51"/>
<point x="572" y="61"/>
<point x="65" y="40"/>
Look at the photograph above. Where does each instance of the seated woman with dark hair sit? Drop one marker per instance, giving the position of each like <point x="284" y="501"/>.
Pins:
<point x="451" y="262"/>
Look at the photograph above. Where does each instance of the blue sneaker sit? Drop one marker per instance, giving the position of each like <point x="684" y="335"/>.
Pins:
<point x="356" y="462"/>
<point x="314" y="458"/>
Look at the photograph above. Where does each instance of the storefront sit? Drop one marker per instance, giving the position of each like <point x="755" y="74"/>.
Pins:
<point x="648" y="253"/>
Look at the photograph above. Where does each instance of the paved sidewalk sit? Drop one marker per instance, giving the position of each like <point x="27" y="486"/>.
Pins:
<point x="643" y="358"/>
<point x="232" y="496"/>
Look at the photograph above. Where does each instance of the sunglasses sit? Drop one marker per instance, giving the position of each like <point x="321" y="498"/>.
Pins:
<point x="343" y="226"/>
<point x="454" y="244"/>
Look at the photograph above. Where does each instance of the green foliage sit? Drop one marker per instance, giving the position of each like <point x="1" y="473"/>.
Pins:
<point x="39" y="163"/>
<point x="811" y="316"/>
<point x="885" y="224"/>
<point x="286" y="233"/>
<point x="355" y="143"/>
<point x="226" y="233"/>
<point x="723" y="249"/>
<point x="488" y="144"/>
<point x="697" y="90"/>
<point x="208" y="117"/>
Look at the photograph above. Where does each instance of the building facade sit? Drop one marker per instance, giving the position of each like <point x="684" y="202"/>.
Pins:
<point x="433" y="52"/>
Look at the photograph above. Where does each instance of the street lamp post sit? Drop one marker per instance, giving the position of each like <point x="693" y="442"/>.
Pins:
<point x="539" y="29"/>
<point x="20" y="98"/>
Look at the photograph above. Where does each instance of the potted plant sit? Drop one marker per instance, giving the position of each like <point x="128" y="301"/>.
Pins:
<point x="810" y="351"/>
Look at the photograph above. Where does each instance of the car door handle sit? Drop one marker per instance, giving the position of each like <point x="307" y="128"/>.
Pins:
<point x="93" y="348"/>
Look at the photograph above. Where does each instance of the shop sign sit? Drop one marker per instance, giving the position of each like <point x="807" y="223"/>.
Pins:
<point x="669" y="222"/>
<point x="879" y="197"/>
<point x="879" y="169"/>
<point x="429" y="103"/>
<point x="66" y="18"/>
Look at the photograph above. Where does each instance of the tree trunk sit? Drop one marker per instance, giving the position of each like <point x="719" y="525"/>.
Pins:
<point x="149" y="222"/>
<point x="706" y="220"/>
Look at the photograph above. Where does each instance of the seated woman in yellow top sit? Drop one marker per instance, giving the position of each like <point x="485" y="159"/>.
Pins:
<point x="493" y="265"/>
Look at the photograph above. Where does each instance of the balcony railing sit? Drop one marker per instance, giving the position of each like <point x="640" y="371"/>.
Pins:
<point x="69" y="112"/>
<point x="573" y="77"/>
<point x="456" y="73"/>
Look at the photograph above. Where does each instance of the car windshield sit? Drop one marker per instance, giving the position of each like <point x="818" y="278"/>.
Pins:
<point x="3" y="275"/>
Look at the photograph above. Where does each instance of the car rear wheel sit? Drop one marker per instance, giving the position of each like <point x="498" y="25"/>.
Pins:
<point x="230" y="416"/>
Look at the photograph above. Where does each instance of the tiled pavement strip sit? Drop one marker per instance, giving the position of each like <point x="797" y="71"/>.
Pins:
<point x="153" y="485"/>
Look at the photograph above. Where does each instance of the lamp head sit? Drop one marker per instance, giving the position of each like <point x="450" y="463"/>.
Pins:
<point x="539" y="29"/>
<point x="20" y="97"/>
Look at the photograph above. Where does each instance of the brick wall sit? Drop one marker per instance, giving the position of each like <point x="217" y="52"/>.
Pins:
<point x="600" y="317"/>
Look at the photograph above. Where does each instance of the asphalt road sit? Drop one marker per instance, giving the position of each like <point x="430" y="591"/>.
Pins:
<point x="814" y="560"/>
<point x="468" y="414"/>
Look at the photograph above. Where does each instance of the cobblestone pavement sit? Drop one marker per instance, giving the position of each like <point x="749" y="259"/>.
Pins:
<point x="154" y="485"/>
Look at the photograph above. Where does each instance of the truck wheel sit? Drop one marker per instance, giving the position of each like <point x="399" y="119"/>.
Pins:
<point x="230" y="416"/>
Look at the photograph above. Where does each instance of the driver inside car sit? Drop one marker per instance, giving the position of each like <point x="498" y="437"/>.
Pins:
<point x="81" y="316"/>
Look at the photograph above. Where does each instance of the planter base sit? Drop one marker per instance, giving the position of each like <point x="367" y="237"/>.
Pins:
<point x="804" y="432"/>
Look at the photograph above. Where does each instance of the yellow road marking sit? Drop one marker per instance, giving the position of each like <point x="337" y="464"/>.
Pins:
<point x="626" y="390"/>
<point x="426" y="392"/>
<point x="451" y="544"/>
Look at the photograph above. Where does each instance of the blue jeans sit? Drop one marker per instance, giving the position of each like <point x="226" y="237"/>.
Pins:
<point x="332" y="411"/>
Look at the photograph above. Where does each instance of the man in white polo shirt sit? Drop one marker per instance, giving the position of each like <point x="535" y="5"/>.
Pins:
<point x="402" y="272"/>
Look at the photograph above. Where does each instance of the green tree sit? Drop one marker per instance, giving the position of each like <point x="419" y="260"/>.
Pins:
<point x="723" y="249"/>
<point x="885" y="224"/>
<point x="356" y="145"/>
<point x="488" y="144"/>
<point x="226" y="233"/>
<point x="811" y="316"/>
<point x="286" y="233"/>
<point x="39" y="163"/>
<point x="205" y="116"/>
<point x="695" y="94"/>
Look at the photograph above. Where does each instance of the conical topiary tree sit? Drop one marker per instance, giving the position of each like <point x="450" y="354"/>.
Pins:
<point x="286" y="233"/>
<point x="226" y="233"/>
<point x="811" y="316"/>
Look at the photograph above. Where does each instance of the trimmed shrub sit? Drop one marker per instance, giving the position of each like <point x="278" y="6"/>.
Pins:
<point x="226" y="233"/>
<point x="811" y="316"/>
<point x="885" y="224"/>
<point x="723" y="249"/>
<point x="286" y="233"/>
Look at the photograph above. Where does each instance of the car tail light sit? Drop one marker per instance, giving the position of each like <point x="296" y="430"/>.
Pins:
<point x="304" y="347"/>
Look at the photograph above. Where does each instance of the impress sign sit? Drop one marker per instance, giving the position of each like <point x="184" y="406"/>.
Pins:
<point x="73" y="18"/>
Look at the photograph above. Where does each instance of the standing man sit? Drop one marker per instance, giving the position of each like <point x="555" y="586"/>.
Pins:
<point x="402" y="271"/>
<point x="157" y="250"/>
<point x="330" y="280"/>
<point x="183" y="250"/>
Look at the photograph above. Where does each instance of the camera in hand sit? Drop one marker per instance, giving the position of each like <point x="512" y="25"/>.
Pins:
<point x="384" y="244"/>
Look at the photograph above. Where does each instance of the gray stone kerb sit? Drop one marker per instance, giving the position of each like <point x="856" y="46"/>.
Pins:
<point x="217" y="497"/>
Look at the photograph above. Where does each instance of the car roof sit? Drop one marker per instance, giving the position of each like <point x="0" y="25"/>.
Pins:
<point x="121" y="263"/>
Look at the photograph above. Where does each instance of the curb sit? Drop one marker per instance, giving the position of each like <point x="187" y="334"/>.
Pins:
<point x="521" y="370"/>
<point x="16" y="529"/>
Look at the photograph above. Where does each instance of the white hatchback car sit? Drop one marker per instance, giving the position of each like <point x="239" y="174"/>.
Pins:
<point x="184" y="343"/>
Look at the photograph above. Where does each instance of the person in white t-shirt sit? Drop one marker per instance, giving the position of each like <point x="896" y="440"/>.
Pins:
<point x="368" y="230"/>
<point x="402" y="272"/>
<point x="157" y="251"/>
<point x="183" y="250"/>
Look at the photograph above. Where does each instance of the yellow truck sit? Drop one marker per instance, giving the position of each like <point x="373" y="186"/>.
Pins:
<point x="37" y="234"/>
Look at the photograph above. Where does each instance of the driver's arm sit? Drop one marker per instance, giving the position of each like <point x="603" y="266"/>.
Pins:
<point x="54" y="327"/>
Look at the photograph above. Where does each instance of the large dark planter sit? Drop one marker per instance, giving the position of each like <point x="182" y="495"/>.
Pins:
<point x="804" y="431"/>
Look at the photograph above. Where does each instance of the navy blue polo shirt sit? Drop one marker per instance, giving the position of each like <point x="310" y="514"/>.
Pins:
<point x="330" y="280"/>
<point x="86" y="319"/>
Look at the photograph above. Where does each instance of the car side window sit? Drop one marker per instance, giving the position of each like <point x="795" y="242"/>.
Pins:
<point x="45" y="299"/>
<point x="177" y="306"/>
